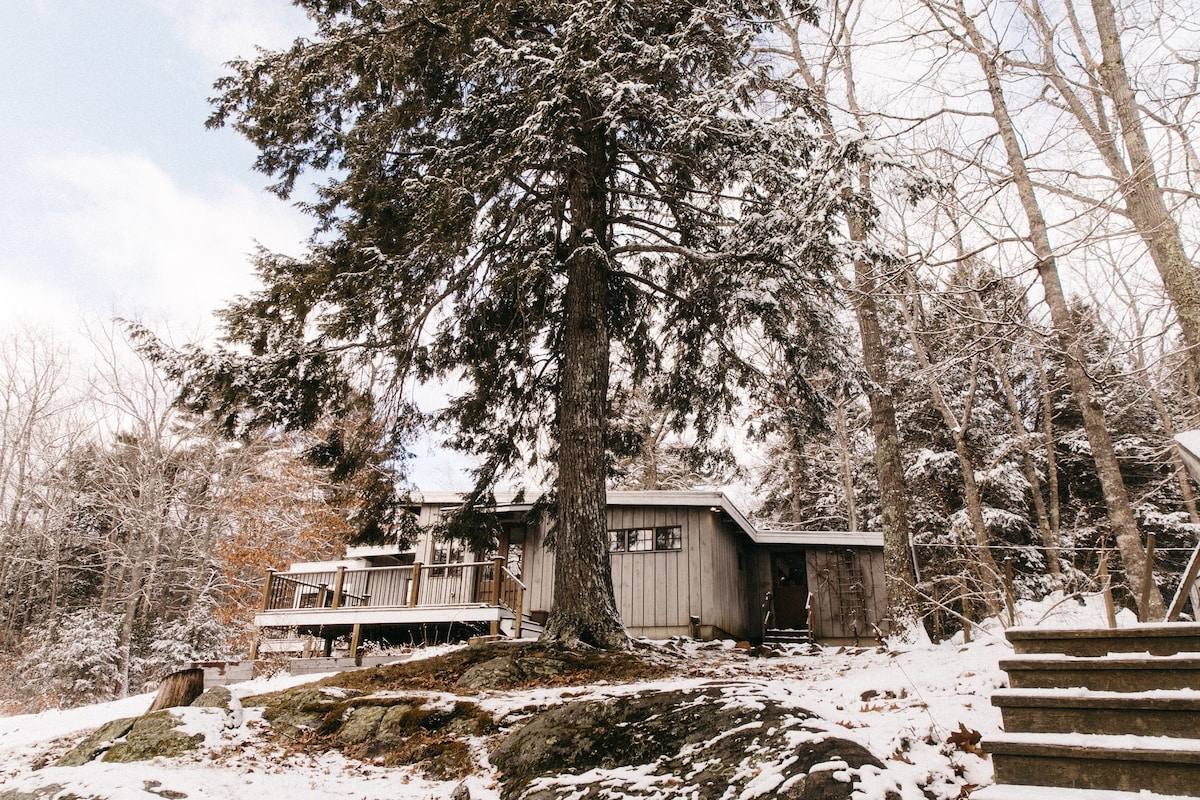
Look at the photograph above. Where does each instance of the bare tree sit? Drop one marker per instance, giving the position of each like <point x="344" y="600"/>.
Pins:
<point x="961" y="29"/>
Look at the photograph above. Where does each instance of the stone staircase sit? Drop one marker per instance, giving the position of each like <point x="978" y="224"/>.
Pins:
<point x="1099" y="714"/>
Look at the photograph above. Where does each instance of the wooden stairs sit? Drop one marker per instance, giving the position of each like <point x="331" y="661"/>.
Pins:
<point x="1099" y="714"/>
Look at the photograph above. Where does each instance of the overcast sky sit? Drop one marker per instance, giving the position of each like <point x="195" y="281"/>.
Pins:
<point x="115" y="198"/>
<point x="116" y="201"/>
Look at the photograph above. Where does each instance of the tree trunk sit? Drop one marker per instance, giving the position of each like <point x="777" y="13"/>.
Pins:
<point x="1140" y="188"/>
<point x="1049" y="538"/>
<point x="1116" y="498"/>
<point x="900" y="568"/>
<point x="584" y="608"/>
<point x="987" y="572"/>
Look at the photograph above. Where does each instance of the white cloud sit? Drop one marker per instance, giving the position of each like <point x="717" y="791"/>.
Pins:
<point x="131" y="239"/>
<point x="219" y="30"/>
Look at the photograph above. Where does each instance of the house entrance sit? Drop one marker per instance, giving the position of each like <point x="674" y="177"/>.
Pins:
<point x="511" y="548"/>
<point x="789" y="592"/>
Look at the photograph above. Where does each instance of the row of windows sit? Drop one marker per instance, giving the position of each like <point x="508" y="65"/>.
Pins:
<point x="645" y="540"/>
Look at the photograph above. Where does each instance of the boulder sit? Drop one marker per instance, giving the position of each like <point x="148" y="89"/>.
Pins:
<point x="96" y="742"/>
<point x="703" y="744"/>
<point x="504" y="672"/>
<point x="152" y="736"/>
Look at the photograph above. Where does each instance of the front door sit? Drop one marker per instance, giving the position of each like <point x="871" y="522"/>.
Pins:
<point x="509" y="548"/>
<point x="789" y="593"/>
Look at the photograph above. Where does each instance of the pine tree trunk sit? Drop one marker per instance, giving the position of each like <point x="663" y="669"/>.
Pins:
<point x="1116" y="498"/>
<point x="584" y="608"/>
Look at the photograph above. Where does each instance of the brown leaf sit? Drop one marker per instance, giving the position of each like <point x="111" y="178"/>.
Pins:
<point x="966" y="739"/>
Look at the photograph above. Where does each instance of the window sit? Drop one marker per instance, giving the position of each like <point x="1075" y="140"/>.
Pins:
<point x="645" y="540"/>
<point x="447" y="553"/>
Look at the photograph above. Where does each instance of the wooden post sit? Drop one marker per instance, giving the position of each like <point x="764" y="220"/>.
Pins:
<point x="519" y="610"/>
<point x="268" y="585"/>
<point x="1106" y="589"/>
<point x="355" y="643"/>
<point x="254" y="648"/>
<point x="1009" y="595"/>
<point x="1187" y="589"/>
<point x="497" y="578"/>
<point x="339" y="582"/>
<point x="1147" y="578"/>
<point x="414" y="591"/>
<point x="966" y="611"/>
<point x="323" y="595"/>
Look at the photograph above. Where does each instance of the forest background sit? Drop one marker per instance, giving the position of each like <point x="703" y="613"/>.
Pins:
<point x="1034" y="189"/>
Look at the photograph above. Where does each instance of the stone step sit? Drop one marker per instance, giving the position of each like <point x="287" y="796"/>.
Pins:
<point x="1117" y="673"/>
<point x="1154" y="713"/>
<point x="1081" y="761"/>
<point x="1001" y="791"/>
<point x="1160" y="639"/>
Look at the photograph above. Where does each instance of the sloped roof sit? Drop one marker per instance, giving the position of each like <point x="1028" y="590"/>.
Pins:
<point x="715" y="500"/>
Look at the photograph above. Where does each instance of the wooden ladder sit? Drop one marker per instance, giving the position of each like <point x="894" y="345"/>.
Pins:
<point x="1100" y="714"/>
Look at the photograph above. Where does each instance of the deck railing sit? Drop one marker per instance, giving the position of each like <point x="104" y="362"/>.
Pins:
<point x="488" y="583"/>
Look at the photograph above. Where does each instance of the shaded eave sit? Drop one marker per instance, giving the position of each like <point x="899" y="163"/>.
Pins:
<point x="1189" y="449"/>
<point x="715" y="501"/>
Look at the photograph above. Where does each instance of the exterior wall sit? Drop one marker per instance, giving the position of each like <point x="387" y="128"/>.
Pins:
<point x="848" y="591"/>
<point x="726" y="599"/>
<point x="658" y="592"/>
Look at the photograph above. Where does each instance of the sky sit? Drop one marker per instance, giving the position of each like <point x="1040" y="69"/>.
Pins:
<point x="117" y="200"/>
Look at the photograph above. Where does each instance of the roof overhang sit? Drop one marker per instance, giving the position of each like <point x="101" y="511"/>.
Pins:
<point x="820" y="538"/>
<point x="1189" y="450"/>
<point x="715" y="501"/>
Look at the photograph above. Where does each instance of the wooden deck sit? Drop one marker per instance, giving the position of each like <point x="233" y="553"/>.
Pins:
<point x="333" y="600"/>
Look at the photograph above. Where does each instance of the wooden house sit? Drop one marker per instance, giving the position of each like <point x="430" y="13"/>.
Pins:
<point x="683" y="564"/>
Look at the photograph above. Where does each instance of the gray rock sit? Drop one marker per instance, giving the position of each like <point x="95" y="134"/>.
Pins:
<point x="361" y="725"/>
<point x="216" y="697"/>
<point x="695" y="744"/>
<point x="96" y="742"/>
<point x="152" y="736"/>
<point x="461" y="792"/>
<point x="504" y="672"/>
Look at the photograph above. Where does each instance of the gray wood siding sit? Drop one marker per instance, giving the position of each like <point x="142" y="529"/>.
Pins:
<point x="652" y="588"/>
<point x="726" y="595"/>
<point x="539" y="569"/>
<point x="847" y="586"/>
<point x="657" y="592"/>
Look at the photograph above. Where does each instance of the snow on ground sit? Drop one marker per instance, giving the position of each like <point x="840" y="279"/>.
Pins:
<point x="903" y="703"/>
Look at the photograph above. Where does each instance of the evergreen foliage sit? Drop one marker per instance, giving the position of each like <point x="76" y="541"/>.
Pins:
<point x="520" y="194"/>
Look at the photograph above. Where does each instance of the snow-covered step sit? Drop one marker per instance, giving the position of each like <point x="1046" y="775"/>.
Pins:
<point x="1175" y="714"/>
<point x="1084" y="761"/>
<point x="786" y="636"/>
<point x="1118" y="672"/>
<point x="1001" y="791"/>
<point x="1161" y="639"/>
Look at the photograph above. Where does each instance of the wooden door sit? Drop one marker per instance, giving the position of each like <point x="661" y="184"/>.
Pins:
<point x="790" y="591"/>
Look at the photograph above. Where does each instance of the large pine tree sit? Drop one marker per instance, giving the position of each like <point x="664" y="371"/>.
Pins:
<point x="520" y="194"/>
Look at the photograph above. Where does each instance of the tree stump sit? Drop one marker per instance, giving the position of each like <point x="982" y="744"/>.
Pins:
<point x="178" y="689"/>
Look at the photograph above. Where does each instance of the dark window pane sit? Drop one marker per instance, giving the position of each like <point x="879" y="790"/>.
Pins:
<point x="670" y="538"/>
<point x="616" y="541"/>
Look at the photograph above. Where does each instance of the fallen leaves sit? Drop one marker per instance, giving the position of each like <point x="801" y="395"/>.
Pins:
<point x="966" y="740"/>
